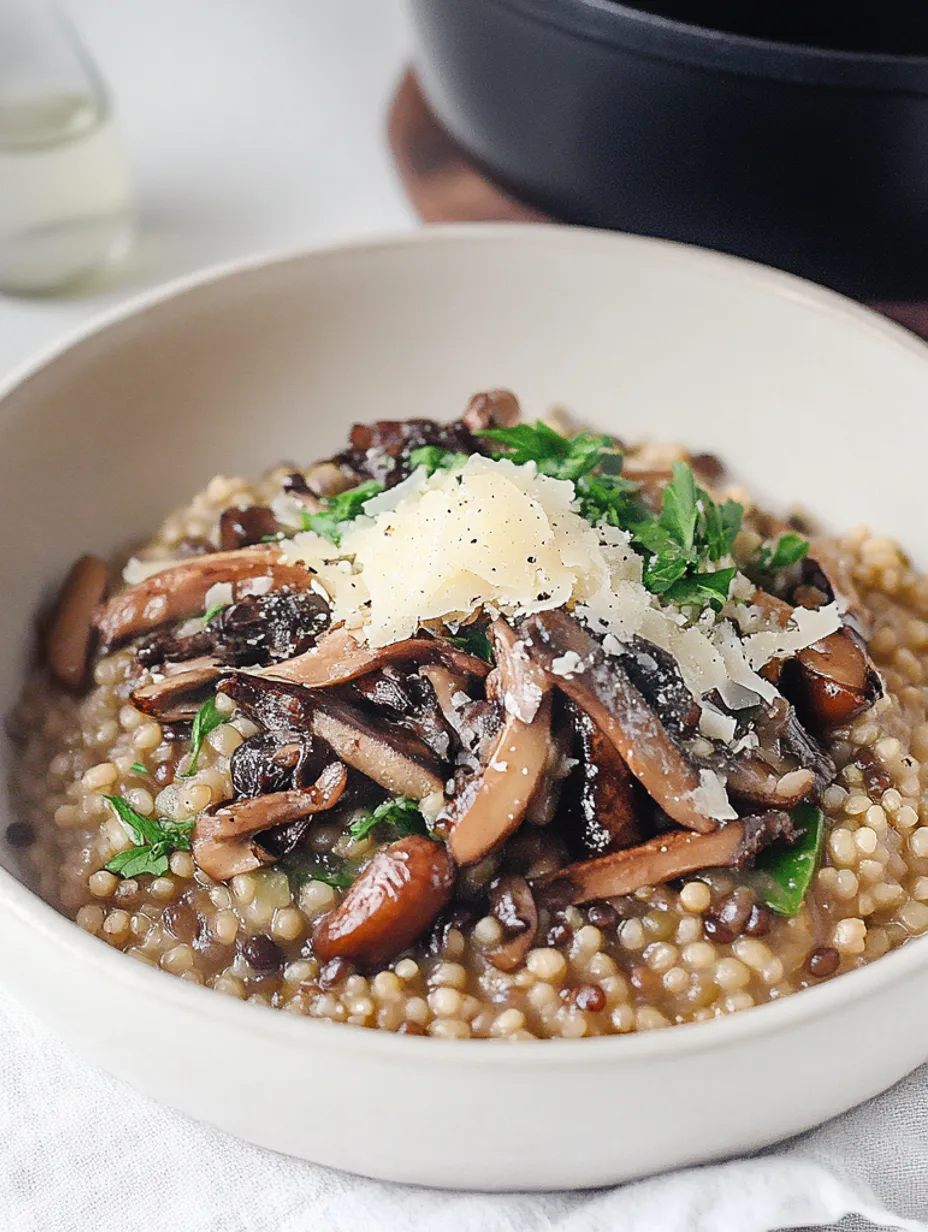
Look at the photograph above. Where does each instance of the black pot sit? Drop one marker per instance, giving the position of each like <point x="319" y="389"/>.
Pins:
<point x="810" y="159"/>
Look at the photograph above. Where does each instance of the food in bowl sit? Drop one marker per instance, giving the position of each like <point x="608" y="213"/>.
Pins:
<point x="485" y="729"/>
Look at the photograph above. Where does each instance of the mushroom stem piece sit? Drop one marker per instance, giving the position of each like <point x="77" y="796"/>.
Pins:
<point x="70" y="636"/>
<point x="624" y="872"/>
<point x="513" y="905"/>
<point x="178" y="695"/>
<point x="392" y="757"/>
<point x="753" y="781"/>
<point x="339" y="658"/>
<point x="601" y="687"/>
<point x="493" y="807"/>
<point x="224" y="840"/>
<point x="180" y="590"/>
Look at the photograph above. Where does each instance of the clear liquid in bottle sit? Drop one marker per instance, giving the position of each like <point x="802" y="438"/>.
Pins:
<point x="65" y="193"/>
<point x="66" y="204"/>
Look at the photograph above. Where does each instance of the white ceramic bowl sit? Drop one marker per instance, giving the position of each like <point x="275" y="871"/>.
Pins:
<point x="810" y="397"/>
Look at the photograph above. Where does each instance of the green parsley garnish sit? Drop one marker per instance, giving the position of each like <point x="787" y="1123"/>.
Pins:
<point x="154" y="840"/>
<point x="214" y="611"/>
<point x="788" y="550"/>
<point x="698" y="589"/>
<point x="561" y="457"/>
<point x="607" y="497"/>
<point x="690" y="532"/>
<point x="138" y="768"/>
<point x="342" y="508"/>
<point x="400" y="814"/>
<point x="474" y="640"/>
<point x="206" y="720"/>
<point x="299" y="872"/>
<point x="434" y="458"/>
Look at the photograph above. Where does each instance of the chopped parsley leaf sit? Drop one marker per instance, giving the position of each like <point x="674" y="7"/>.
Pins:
<point x="609" y="498"/>
<point x="434" y="458"/>
<point x="722" y="524"/>
<point x="400" y="814"/>
<point x="342" y="508"/>
<point x="689" y="532"/>
<point x="154" y="840"/>
<point x="299" y="872"/>
<point x="561" y="457"/>
<point x="213" y="611"/>
<point x="788" y="550"/>
<point x="698" y="589"/>
<point x="206" y="720"/>
<point x="474" y="640"/>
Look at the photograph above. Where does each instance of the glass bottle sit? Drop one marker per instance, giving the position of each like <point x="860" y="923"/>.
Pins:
<point x="66" y="205"/>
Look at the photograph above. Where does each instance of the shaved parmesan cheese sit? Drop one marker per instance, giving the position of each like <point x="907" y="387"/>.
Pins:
<point x="443" y="546"/>
<point x="431" y="805"/>
<point x="742" y="587"/>
<point x="711" y="798"/>
<point x="748" y="741"/>
<point x="701" y="665"/>
<point x="806" y="626"/>
<point x="737" y="667"/>
<point x="218" y="595"/>
<point x="717" y="726"/>
<point x="567" y="664"/>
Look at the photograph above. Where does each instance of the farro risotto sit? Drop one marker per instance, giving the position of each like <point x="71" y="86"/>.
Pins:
<point x="485" y="730"/>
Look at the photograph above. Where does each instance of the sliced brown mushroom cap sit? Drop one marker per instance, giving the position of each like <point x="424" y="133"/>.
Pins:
<point x="489" y="809"/>
<point x="225" y="839"/>
<point x="238" y="528"/>
<point x="798" y="743"/>
<point x="408" y="700"/>
<point x="789" y="765"/>
<point x="623" y="872"/>
<point x="497" y="408"/>
<point x="601" y="687"/>
<point x="392" y="757"/>
<point x="178" y="694"/>
<point x="70" y="636"/>
<point x="833" y="681"/>
<point x="476" y="722"/>
<point x="542" y="809"/>
<point x="180" y="590"/>
<point x="601" y="806"/>
<point x="339" y="658"/>
<point x="276" y="761"/>
<point x="276" y="705"/>
<point x="513" y="905"/>
<point x="391" y="904"/>
<point x="324" y="479"/>
<point x="751" y="780"/>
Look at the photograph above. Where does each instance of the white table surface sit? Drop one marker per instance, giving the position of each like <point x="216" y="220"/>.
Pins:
<point x="251" y="125"/>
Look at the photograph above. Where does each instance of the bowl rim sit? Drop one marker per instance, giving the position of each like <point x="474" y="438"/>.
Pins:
<point x="103" y="962"/>
<point x="667" y="38"/>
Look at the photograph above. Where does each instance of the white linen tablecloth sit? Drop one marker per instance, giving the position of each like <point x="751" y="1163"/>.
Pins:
<point x="81" y="1151"/>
